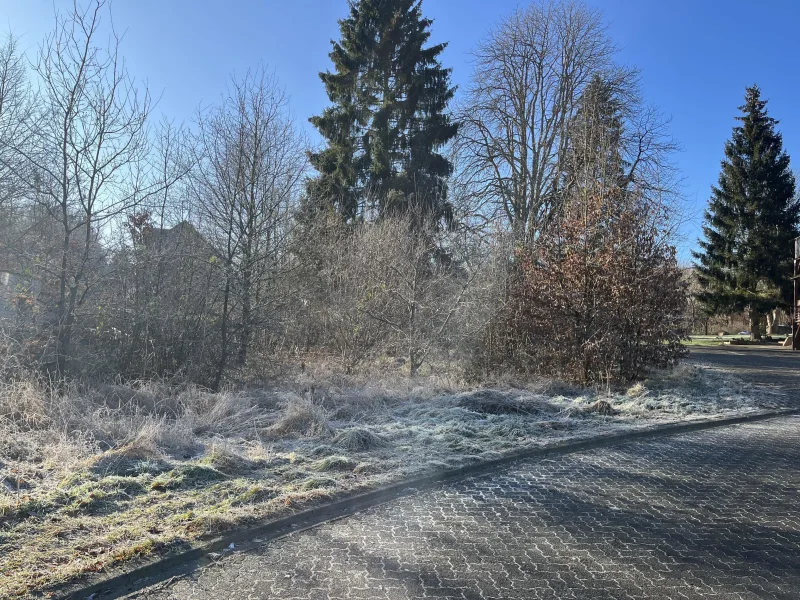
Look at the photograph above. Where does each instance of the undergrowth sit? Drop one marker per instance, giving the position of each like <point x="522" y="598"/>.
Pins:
<point x="89" y="478"/>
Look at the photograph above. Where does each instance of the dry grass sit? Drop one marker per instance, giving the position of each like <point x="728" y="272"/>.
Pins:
<point x="303" y="418"/>
<point x="358" y="439"/>
<point x="91" y="478"/>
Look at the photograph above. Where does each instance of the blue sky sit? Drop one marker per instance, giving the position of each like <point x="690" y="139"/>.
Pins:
<point x="696" y="57"/>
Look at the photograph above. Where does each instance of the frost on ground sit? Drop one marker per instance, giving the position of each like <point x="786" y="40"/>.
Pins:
<point x="89" y="479"/>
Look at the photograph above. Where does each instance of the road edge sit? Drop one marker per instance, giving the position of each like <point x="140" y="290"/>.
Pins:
<point x="119" y="581"/>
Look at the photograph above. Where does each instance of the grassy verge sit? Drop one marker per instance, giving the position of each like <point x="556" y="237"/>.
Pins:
<point x="713" y="340"/>
<point x="705" y="340"/>
<point x="90" y="479"/>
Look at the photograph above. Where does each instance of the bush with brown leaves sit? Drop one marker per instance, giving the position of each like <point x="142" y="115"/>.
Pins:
<point x="599" y="298"/>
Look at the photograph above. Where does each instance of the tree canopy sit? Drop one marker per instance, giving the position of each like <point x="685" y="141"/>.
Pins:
<point x="388" y="118"/>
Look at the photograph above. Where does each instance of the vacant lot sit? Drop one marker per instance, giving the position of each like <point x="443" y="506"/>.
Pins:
<point x="94" y="477"/>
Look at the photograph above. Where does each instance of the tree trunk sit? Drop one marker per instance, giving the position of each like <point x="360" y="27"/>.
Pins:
<point x="755" y="325"/>
<point x="223" y="358"/>
<point x="62" y="347"/>
<point x="247" y="327"/>
<point x="63" y="334"/>
<point x="413" y="362"/>
<point x="771" y="317"/>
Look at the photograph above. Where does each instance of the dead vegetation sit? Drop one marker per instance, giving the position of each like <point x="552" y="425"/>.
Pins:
<point x="358" y="439"/>
<point x="303" y="418"/>
<point x="94" y="477"/>
<point x="168" y="371"/>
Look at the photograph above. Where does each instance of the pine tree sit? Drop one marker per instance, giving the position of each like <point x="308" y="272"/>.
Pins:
<point x="387" y="121"/>
<point x="745" y="260"/>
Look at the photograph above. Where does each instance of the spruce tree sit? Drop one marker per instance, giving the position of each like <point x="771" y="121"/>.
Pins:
<point x="594" y="154"/>
<point x="387" y="121"/>
<point x="745" y="262"/>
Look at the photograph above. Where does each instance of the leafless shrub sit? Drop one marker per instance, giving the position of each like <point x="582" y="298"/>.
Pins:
<point x="388" y="289"/>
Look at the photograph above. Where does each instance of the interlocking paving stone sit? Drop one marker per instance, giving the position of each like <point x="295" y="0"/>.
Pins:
<point x="711" y="514"/>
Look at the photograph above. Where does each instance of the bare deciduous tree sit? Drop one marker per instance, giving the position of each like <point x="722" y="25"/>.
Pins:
<point x="158" y="298"/>
<point x="529" y="75"/>
<point x="600" y="296"/>
<point x="15" y="109"/>
<point x="252" y="161"/>
<point x="87" y="139"/>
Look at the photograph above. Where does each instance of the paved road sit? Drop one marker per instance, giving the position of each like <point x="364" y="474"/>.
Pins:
<point x="711" y="514"/>
<point x="770" y="366"/>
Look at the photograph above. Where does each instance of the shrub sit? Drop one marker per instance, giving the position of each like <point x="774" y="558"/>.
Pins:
<point x="599" y="297"/>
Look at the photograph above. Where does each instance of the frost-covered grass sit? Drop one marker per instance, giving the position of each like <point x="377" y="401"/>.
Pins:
<point x="89" y="479"/>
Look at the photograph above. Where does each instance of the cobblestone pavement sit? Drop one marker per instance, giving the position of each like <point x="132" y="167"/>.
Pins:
<point x="710" y="514"/>
<point x="769" y="366"/>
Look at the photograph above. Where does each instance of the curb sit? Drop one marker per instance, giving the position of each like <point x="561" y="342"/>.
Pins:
<point x="116" y="584"/>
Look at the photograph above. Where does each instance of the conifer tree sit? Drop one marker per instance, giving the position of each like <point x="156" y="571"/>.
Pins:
<point x="594" y="153"/>
<point x="387" y="121"/>
<point x="745" y="262"/>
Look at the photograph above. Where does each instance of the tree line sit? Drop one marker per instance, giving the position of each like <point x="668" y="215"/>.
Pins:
<point x="524" y="225"/>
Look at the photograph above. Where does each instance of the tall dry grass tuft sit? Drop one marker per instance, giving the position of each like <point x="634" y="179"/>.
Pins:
<point x="109" y="417"/>
<point x="25" y="404"/>
<point x="302" y="417"/>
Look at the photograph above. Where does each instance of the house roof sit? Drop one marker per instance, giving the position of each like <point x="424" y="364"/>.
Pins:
<point x="183" y="235"/>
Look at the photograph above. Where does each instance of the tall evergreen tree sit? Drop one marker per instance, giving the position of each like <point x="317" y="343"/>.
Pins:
<point x="387" y="122"/>
<point x="745" y="261"/>
<point x="595" y="145"/>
